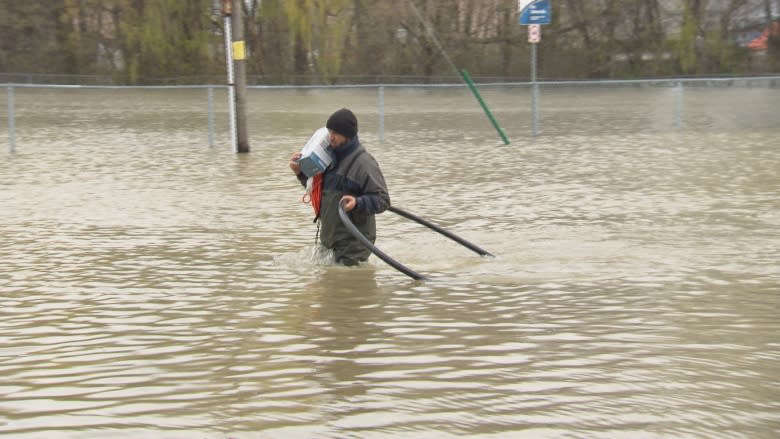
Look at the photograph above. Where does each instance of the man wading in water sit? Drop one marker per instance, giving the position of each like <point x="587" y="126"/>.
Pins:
<point x="354" y="178"/>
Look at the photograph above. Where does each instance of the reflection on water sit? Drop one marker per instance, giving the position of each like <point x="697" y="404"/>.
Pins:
<point x="151" y="285"/>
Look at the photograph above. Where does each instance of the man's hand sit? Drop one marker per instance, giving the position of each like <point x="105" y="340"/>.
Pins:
<point x="294" y="165"/>
<point x="349" y="202"/>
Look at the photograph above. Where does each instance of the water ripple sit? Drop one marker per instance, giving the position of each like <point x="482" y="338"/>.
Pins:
<point x="171" y="289"/>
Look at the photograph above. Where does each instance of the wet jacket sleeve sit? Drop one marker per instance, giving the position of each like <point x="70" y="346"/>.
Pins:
<point x="375" y="197"/>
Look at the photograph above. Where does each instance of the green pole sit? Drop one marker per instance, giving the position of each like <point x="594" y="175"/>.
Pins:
<point x="470" y="83"/>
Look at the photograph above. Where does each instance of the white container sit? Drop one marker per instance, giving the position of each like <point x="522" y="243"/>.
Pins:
<point x="315" y="155"/>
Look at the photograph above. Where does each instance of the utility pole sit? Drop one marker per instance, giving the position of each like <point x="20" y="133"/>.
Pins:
<point x="239" y="59"/>
<point x="235" y="51"/>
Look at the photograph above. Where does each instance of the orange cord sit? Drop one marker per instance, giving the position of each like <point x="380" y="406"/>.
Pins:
<point x="315" y="196"/>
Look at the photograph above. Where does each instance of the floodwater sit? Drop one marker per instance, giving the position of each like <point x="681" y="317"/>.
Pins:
<point x="152" y="285"/>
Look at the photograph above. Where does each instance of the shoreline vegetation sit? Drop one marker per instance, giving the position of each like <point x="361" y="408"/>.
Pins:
<point x="321" y="42"/>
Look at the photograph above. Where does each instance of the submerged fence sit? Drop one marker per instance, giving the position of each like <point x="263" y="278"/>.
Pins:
<point x="674" y="100"/>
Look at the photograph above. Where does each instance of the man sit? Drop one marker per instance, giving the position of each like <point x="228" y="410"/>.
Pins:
<point x="354" y="178"/>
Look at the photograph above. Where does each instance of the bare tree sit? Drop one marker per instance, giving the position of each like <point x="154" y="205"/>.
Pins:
<point x="136" y="40"/>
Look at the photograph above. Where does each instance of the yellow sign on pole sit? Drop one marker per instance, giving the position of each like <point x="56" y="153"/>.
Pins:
<point x="239" y="54"/>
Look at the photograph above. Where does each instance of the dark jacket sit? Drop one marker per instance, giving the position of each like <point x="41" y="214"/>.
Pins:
<point x="353" y="172"/>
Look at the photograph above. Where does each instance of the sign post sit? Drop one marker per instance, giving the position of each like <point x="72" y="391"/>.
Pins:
<point x="534" y="13"/>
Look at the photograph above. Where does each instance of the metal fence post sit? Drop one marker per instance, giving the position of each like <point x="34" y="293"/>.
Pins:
<point x="678" y="101"/>
<point x="381" y="129"/>
<point x="534" y="94"/>
<point x="11" y="120"/>
<point x="211" y="116"/>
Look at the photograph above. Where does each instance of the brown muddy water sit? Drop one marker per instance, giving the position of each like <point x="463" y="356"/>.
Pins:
<point x="154" y="286"/>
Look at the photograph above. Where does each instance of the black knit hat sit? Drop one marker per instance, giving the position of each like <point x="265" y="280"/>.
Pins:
<point x="343" y="122"/>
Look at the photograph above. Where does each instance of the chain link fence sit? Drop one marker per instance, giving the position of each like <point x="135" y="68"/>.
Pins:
<point x="563" y="106"/>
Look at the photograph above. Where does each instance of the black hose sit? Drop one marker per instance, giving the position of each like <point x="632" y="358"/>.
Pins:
<point x="379" y="253"/>
<point x="432" y="226"/>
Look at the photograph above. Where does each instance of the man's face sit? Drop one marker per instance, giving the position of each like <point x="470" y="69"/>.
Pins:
<point x="336" y="139"/>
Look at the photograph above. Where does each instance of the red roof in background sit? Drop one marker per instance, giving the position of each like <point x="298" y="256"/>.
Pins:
<point x="762" y="41"/>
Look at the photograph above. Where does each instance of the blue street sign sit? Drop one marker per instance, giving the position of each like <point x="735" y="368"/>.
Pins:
<point x="535" y="12"/>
